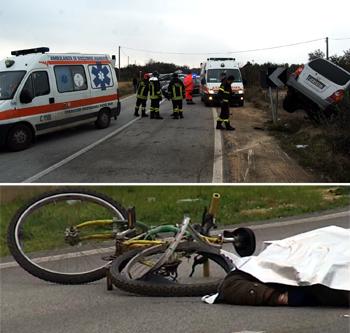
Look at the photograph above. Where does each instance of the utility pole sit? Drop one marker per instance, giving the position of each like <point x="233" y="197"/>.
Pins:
<point x="119" y="63"/>
<point x="327" y="49"/>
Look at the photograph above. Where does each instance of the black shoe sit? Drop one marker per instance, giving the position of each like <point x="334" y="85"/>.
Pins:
<point x="229" y="127"/>
<point x="176" y="116"/>
<point x="181" y="115"/>
<point x="136" y="114"/>
<point x="144" y="114"/>
<point x="158" y="116"/>
<point x="152" y="115"/>
<point x="219" y="125"/>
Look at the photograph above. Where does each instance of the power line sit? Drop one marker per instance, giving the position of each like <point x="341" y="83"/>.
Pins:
<point x="230" y="52"/>
<point x="340" y="38"/>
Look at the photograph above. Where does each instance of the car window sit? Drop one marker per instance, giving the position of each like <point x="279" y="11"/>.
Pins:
<point x="70" y="78"/>
<point x="9" y="82"/>
<point x="214" y="75"/>
<point x="41" y="83"/>
<point x="37" y="84"/>
<point x="330" y="71"/>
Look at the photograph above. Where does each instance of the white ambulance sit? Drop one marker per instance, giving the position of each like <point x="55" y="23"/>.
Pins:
<point x="42" y="92"/>
<point x="212" y="72"/>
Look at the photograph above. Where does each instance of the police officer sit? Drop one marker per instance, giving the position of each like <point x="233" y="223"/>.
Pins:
<point x="176" y="90"/>
<point x="142" y="93"/>
<point x="224" y="95"/>
<point x="155" y="95"/>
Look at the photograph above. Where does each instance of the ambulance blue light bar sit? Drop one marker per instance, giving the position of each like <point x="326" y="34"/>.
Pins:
<point x="221" y="59"/>
<point x="30" y="51"/>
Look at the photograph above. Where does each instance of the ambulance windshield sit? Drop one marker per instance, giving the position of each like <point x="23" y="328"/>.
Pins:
<point x="216" y="75"/>
<point x="9" y="82"/>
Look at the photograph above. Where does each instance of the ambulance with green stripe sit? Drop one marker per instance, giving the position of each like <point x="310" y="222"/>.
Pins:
<point x="41" y="92"/>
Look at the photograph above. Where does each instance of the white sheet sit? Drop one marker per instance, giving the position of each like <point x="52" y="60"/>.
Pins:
<point x="318" y="256"/>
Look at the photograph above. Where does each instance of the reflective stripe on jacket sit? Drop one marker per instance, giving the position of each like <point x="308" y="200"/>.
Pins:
<point x="225" y="91"/>
<point x="176" y="90"/>
<point x="142" y="89"/>
<point x="154" y="90"/>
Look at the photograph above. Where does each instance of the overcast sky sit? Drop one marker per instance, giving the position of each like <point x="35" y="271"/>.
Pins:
<point x="181" y="26"/>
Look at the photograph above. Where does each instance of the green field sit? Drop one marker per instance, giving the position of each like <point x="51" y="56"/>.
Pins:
<point x="167" y="204"/>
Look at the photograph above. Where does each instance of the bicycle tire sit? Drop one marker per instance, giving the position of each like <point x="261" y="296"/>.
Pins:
<point x="153" y="288"/>
<point x="16" y="235"/>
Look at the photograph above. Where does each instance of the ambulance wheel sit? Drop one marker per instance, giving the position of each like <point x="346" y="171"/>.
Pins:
<point x="19" y="137"/>
<point x="103" y="119"/>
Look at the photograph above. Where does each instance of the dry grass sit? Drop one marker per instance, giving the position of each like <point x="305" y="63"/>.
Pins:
<point x="327" y="143"/>
<point x="11" y="193"/>
<point x="125" y="89"/>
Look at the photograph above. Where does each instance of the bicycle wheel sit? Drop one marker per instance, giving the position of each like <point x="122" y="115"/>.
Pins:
<point x="178" y="277"/>
<point x="37" y="235"/>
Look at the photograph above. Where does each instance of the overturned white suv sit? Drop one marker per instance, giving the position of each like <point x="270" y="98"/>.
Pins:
<point x="316" y="86"/>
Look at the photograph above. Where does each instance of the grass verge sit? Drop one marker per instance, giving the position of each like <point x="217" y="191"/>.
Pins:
<point x="157" y="205"/>
<point x="125" y="89"/>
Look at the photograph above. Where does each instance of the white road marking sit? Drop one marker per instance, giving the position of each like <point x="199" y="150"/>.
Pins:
<point x="218" y="160"/>
<point x="250" y="332"/>
<point x="62" y="256"/>
<point x="78" y="153"/>
<point x="81" y="151"/>
<point x="300" y="221"/>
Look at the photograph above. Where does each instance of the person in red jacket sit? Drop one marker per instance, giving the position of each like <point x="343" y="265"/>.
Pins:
<point x="189" y="85"/>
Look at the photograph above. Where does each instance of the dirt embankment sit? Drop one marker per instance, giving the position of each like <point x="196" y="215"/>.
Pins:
<point x="254" y="156"/>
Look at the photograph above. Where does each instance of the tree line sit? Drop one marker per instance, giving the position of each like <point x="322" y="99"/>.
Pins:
<point x="251" y="72"/>
<point x="137" y="71"/>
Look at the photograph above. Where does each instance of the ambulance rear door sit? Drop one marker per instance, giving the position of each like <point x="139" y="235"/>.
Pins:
<point x="103" y="83"/>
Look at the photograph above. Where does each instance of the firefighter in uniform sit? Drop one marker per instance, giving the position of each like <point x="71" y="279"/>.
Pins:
<point x="224" y="95"/>
<point x="176" y="90"/>
<point x="142" y="93"/>
<point x="155" y="95"/>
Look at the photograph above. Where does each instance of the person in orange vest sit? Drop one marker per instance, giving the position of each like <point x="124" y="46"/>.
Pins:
<point x="189" y="86"/>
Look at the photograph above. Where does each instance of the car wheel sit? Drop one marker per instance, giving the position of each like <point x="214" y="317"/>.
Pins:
<point x="103" y="119"/>
<point x="19" y="137"/>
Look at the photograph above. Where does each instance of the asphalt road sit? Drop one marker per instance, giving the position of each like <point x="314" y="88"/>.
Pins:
<point x="31" y="305"/>
<point x="138" y="151"/>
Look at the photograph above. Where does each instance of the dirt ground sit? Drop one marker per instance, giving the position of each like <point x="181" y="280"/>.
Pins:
<point x="254" y="156"/>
